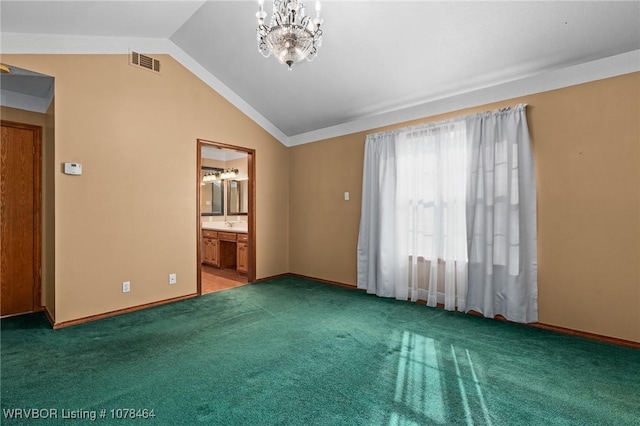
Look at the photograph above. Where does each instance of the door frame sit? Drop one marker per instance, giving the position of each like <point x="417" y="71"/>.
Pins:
<point x="251" y="215"/>
<point x="37" y="210"/>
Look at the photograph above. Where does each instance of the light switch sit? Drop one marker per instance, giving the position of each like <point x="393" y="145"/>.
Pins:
<point x="346" y="196"/>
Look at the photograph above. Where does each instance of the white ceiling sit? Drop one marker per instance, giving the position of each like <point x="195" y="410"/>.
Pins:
<point x="221" y="154"/>
<point x="28" y="90"/>
<point x="28" y="82"/>
<point x="380" y="62"/>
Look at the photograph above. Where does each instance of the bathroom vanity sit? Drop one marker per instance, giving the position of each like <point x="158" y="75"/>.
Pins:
<point x="225" y="249"/>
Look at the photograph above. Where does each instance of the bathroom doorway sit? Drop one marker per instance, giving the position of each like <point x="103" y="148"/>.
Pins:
<point x="226" y="216"/>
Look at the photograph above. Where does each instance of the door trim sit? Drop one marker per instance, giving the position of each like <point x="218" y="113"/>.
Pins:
<point x="37" y="209"/>
<point x="251" y="216"/>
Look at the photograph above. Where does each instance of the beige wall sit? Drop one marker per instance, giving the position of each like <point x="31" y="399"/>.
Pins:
<point x="129" y="127"/>
<point x="48" y="237"/>
<point x="48" y="208"/>
<point x="323" y="226"/>
<point x="586" y="142"/>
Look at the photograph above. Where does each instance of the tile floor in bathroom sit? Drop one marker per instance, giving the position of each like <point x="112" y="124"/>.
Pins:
<point x="214" y="279"/>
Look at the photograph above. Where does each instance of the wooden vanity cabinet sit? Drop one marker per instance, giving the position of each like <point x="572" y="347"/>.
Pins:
<point x="225" y="250"/>
<point x="210" y="248"/>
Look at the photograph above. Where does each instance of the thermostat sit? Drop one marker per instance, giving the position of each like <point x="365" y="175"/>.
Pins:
<point x="72" y="168"/>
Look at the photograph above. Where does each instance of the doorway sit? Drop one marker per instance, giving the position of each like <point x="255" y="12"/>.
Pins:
<point x="20" y="225"/>
<point x="225" y="193"/>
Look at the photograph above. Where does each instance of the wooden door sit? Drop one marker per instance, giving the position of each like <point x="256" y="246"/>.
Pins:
<point x="20" y="191"/>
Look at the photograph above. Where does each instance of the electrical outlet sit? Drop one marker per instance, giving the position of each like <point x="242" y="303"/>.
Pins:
<point x="126" y="286"/>
<point x="172" y="278"/>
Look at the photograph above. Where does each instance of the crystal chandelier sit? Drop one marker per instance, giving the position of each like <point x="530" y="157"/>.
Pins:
<point x="292" y="36"/>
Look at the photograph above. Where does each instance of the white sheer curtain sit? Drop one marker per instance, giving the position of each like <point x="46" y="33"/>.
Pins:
<point x="448" y="215"/>
<point x="431" y="239"/>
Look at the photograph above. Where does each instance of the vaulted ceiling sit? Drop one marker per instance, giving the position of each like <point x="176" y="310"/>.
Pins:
<point x="380" y="61"/>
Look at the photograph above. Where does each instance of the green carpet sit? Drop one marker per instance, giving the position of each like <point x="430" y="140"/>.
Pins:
<point x="297" y="352"/>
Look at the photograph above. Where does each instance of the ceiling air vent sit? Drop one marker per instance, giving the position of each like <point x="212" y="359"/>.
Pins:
<point x="144" y="61"/>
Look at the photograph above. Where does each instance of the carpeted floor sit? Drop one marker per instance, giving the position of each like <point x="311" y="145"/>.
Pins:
<point x="296" y="352"/>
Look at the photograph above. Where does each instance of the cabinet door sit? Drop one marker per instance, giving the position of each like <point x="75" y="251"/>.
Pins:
<point x="211" y="252"/>
<point x="215" y="253"/>
<point x="242" y="258"/>
<point x="206" y="250"/>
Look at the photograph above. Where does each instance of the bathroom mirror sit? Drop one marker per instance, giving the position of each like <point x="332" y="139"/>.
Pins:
<point x="211" y="195"/>
<point x="237" y="197"/>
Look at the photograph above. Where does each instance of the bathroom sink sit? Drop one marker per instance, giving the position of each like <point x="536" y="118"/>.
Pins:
<point x="221" y="226"/>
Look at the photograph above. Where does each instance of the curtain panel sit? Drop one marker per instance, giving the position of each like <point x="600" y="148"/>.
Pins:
<point x="449" y="215"/>
<point x="501" y="217"/>
<point x="376" y="241"/>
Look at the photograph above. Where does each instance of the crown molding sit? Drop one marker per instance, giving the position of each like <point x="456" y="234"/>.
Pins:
<point x="23" y="43"/>
<point x="612" y="66"/>
<point x="625" y="63"/>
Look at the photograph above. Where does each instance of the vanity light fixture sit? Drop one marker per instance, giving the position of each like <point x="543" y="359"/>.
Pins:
<point x="218" y="176"/>
<point x="229" y="173"/>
